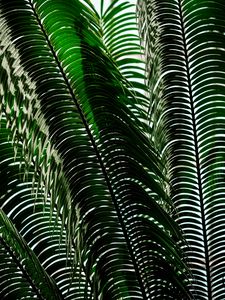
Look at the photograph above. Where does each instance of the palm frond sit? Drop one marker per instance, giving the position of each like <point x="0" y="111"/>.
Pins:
<point x="74" y="116"/>
<point x="191" y="39"/>
<point x="14" y="250"/>
<point x="39" y="225"/>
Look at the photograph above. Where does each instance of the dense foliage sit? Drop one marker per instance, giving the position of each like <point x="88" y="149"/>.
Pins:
<point x="111" y="183"/>
<point x="82" y="187"/>
<point x="185" y="47"/>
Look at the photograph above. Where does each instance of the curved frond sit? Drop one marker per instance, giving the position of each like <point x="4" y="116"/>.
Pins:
<point x="81" y="147"/>
<point x="25" y="264"/>
<point x="38" y="224"/>
<point x="192" y="42"/>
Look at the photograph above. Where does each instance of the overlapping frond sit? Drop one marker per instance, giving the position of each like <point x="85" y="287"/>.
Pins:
<point x="81" y="147"/>
<point x="192" y="42"/>
<point x="39" y="232"/>
<point x="26" y="266"/>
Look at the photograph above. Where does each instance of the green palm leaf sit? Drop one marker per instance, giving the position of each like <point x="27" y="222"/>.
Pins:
<point x="15" y="251"/>
<point x="38" y="223"/>
<point x="79" y="138"/>
<point x="190" y="36"/>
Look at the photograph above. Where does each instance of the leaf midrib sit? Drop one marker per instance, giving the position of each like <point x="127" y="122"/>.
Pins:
<point x="22" y="269"/>
<point x="95" y="147"/>
<point x="198" y="166"/>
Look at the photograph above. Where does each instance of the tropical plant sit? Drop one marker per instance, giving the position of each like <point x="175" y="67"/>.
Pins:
<point x="110" y="180"/>
<point x="185" y="51"/>
<point x="85" y="208"/>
